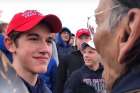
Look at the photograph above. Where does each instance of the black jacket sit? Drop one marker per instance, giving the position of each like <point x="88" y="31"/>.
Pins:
<point x="85" y="80"/>
<point x="66" y="66"/>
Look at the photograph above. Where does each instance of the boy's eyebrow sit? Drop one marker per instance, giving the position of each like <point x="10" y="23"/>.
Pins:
<point x="36" y="35"/>
<point x="33" y="34"/>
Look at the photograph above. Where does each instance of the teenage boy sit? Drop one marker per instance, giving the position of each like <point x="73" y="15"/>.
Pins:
<point x="28" y="39"/>
<point x="88" y="78"/>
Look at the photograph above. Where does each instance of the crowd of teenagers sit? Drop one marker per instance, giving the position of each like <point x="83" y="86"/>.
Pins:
<point x="39" y="55"/>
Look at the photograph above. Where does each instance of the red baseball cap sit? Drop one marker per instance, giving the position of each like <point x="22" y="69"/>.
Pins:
<point x="28" y="19"/>
<point x="82" y="31"/>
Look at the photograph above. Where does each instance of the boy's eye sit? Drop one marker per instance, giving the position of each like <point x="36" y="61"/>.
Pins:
<point x="33" y="39"/>
<point x="49" y="40"/>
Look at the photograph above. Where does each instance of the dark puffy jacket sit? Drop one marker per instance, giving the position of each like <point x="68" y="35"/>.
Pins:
<point x="85" y="80"/>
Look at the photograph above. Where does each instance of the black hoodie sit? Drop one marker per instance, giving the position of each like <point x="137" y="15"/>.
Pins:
<point x="85" y="80"/>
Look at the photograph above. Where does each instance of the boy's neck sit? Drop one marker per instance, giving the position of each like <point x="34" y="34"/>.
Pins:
<point x="26" y="75"/>
<point x="95" y="67"/>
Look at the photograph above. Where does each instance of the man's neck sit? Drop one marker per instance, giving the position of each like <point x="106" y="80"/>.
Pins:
<point x="111" y="75"/>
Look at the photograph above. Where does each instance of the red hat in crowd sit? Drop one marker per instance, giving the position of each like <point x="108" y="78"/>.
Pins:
<point x="82" y="31"/>
<point x="25" y="21"/>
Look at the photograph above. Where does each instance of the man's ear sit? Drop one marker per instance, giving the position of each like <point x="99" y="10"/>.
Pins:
<point x="9" y="44"/>
<point x="131" y="32"/>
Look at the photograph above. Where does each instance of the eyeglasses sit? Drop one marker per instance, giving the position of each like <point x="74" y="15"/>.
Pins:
<point x="91" y="20"/>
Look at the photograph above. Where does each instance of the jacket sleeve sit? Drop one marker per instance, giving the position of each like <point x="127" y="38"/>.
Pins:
<point x="72" y="83"/>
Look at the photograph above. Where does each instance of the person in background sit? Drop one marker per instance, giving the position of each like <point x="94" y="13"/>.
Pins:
<point x="3" y="27"/>
<point x="88" y="78"/>
<point x="72" y="40"/>
<point x="28" y="39"/>
<point x="62" y="42"/>
<point x="72" y="61"/>
<point x="117" y="40"/>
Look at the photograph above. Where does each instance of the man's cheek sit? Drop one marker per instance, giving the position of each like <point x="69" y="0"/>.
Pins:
<point x="102" y="40"/>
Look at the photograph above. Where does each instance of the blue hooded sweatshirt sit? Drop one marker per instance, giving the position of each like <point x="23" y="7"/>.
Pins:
<point x="3" y="48"/>
<point x="62" y="47"/>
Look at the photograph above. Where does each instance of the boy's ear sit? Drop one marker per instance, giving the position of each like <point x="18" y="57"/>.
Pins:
<point x="9" y="44"/>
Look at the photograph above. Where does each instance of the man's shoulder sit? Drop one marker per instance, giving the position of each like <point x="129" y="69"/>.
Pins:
<point x="134" y="91"/>
<point x="131" y="80"/>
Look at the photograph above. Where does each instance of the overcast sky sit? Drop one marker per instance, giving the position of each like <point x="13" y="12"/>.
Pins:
<point x="72" y="13"/>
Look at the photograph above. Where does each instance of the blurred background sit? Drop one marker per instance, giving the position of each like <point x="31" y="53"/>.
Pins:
<point x="73" y="13"/>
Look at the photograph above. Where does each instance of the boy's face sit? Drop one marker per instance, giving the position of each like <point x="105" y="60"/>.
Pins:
<point x="33" y="50"/>
<point x="80" y="40"/>
<point x="90" y="56"/>
<point x="72" y="40"/>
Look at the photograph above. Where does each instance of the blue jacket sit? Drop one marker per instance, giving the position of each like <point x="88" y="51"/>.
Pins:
<point x="3" y="48"/>
<point x="50" y="75"/>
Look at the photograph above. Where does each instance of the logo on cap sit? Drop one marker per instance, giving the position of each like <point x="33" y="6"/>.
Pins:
<point x="29" y="13"/>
